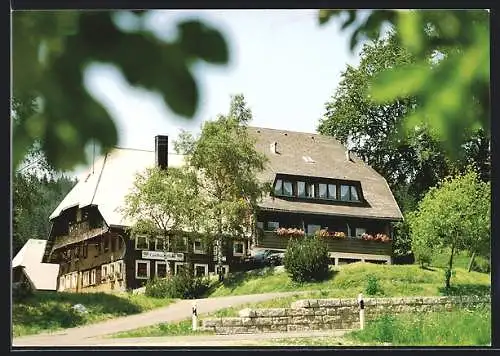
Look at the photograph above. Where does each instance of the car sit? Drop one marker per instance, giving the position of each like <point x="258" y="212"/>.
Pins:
<point x="262" y="258"/>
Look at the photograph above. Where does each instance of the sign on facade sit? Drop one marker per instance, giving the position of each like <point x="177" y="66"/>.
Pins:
<point x="160" y="255"/>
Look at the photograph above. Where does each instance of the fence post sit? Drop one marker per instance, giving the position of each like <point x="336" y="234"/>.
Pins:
<point x="361" y="304"/>
<point x="194" y="317"/>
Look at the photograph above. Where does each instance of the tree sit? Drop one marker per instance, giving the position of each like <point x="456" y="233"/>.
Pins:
<point x="224" y="155"/>
<point x="410" y="161"/>
<point x="37" y="190"/>
<point x="453" y="92"/>
<point x="52" y="49"/>
<point x="163" y="201"/>
<point x="454" y="215"/>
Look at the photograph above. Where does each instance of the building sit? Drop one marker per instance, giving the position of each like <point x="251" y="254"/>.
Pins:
<point x="317" y="186"/>
<point x="27" y="267"/>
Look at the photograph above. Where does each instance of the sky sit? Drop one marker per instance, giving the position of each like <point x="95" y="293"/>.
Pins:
<point x="284" y="63"/>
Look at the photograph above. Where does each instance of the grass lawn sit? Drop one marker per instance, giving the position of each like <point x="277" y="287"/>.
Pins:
<point x="183" y="327"/>
<point x="50" y="311"/>
<point x="348" y="281"/>
<point x="461" y="327"/>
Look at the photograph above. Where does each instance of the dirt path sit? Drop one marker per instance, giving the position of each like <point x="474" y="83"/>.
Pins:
<point x="173" y="313"/>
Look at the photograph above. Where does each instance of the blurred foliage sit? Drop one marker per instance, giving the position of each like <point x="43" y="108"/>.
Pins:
<point x="51" y="50"/>
<point x="450" y="74"/>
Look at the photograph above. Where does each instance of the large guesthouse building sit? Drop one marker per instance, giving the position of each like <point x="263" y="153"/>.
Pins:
<point x="318" y="188"/>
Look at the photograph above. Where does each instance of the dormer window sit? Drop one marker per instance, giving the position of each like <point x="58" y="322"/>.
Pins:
<point x="278" y="187"/>
<point x="310" y="190"/>
<point x="287" y="188"/>
<point x="301" y="189"/>
<point x="322" y="191"/>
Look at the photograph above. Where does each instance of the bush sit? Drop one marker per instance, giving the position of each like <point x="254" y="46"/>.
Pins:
<point x="183" y="285"/>
<point x="481" y="264"/>
<point x="372" y="286"/>
<point x="307" y="259"/>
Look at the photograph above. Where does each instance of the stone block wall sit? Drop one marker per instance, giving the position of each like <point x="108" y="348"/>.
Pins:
<point x="329" y="314"/>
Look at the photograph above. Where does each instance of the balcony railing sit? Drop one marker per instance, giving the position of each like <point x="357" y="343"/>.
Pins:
<point x="80" y="231"/>
<point x="271" y="240"/>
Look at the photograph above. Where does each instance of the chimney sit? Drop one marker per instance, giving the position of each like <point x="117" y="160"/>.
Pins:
<point x="274" y="147"/>
<point x="348" y="155"/>
<point x="161" y="151"/>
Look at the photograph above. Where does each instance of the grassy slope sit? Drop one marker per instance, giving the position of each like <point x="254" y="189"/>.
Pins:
<point x="50" y="311"/>
<point x="349" y="280"/>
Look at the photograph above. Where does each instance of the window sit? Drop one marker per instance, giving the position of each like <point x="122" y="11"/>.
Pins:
<point x="332" y="191"/>
<point x="322" y="191"/>
<point x="106" y="243"/>
<point x="225" y="269"/>
<point x="74" y="280"/>
<point x="260" y="224"/>
<point x="200" y="269"/>
<point x="272" y="225"/>
<point x="120" y="242"/>
<point x="198" y="246"/>
<point x="238" y="248"/>
<point x="180" y="244"/>
<point x="61" y="283"/>
<point x="278" y="187"/>
<point x="301" y="189"/>
<point x="310" y="190"/>
<point x="112" y="270"/>
<point x="344" y="192"/>
<point x="113" y="243"/>
<point x="67" y="282"/>
<point x="141" y="243"/>
<point x="161" y="244"/>
<point x="360" y="231"/>
<point x="179" y="266"/>
<point x="161" y="269"/>
<point x="287" y="188"/>
<point x="86" y="278"/>
<point x="311" y="228"/>
<point x="354" y="193"/>
<point x="104" y="272"/>
<point x="141" y="269"/>
<point x="93" y="276"/>
<point x="85" y="250"/>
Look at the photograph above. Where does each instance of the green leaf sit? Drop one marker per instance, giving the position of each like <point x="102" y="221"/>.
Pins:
<point x="325" y="15"/>
<point x="400" y="82"/>
<point x="198" y="40"/>
<point x="410" y="30"/>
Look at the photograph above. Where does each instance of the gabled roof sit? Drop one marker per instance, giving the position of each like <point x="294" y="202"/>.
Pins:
<point x="43" y="276"/>
<point x="113" y="175"/>
<point x="111" y="179"/>
<point x="328" y="161"/>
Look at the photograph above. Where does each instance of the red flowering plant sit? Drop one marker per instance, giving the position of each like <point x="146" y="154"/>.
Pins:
<point x="287" y="232"/>
<point x="330" y="234"/>
<point x="377" y="237"/>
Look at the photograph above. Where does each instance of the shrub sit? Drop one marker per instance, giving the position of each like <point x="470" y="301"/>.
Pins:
<point x="372" y="286"/>
<point x="306" y="260"/>
<point x="182" y="285"/>
<point x="481" y="265"/>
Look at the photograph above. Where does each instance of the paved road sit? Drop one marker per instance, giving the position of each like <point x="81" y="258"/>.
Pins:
<point x="173" y="313"/>
<point x="209" y="340"/>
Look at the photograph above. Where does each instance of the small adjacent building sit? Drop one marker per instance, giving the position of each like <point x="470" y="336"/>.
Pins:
<point x="27" y="267"/>
<point x="318" y="188"/>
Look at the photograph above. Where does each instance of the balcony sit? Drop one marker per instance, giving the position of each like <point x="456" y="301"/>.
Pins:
<point x="80" y="231"/>
<point x="271" y="240"/>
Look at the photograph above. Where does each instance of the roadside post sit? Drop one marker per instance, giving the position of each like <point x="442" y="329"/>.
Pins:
<point x="361" y="304"/>
<point x="195" y="316"/>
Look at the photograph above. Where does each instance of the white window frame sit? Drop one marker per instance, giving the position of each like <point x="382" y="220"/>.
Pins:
<point x="68" y="281"/>
<point x="137" y="240"/>
<point x="62" y="283"/>
<point x="199" y="252"/>
<point x="226" y="267"/>
<point x="148" y="270"/>
<point x="85" y="278"/>
<point x="177" y="264"/>
<point x="359" y="232"/>
<point x="104" y="276"/>
<point x="93" y="277"/>
<point x="201" y="265"/>
<point x="74" y="280"/>
<point x="234" y="248"/>
<point x="157" y="263"/>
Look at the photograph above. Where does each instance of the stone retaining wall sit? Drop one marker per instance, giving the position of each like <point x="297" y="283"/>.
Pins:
<point x="326" y="314"/>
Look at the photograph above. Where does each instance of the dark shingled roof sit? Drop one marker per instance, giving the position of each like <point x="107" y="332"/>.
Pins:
<point x="330" y="161"/>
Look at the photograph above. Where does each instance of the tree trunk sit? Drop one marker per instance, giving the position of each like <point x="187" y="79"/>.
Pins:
<point x="450" y="265"/>
<point x="471" y="261"/>
<point x="219" y="250"/>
